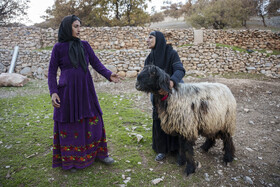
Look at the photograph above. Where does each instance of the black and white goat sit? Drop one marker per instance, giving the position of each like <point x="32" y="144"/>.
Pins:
<point x="190" y="110"/>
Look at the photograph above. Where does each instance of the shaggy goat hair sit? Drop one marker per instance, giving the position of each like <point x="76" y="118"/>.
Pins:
<point x="190" y="110"/>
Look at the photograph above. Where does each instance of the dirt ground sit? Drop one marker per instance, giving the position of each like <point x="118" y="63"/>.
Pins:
<point x="257" y="137"/>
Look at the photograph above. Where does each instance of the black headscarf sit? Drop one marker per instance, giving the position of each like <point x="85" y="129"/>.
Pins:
<point x="161" y="54"/>
<point x="76" y="51"/>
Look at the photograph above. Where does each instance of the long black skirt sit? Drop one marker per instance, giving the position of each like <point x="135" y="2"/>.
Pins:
<point x="162" y="142"/>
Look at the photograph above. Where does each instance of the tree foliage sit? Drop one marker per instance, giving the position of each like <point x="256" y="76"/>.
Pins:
<point x="267" y="8"/>
<point x="12" y="9"/>
<point x="219" y="14"/>
<point x="273" y="8"/>
<point x="157" y="17"/>
<point x="173" y="9"/>
<point x="100" y="12"/>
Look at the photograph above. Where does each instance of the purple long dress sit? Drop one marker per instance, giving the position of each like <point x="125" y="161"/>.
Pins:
<point x="79" y="134"/>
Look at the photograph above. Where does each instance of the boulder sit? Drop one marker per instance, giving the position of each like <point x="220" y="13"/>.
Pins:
<point x="131" y="74"/>
<point x="26" y="71"/>
<point x="12" y="79"/>
<point x="121" y="74"/>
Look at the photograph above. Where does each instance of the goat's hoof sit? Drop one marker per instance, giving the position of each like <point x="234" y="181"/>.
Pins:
<point x="181" y="162"/>
<point x="204" y="148"/>
<point x="228" y="158"/>
<point x="189" y="170"/>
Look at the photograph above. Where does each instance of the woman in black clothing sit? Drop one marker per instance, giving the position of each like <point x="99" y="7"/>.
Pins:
<point x="165" y="57"/>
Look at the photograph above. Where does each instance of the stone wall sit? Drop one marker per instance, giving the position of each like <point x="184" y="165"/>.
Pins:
<point x="134" y="37"/>
<point x="246" y="39"/>
<point x="124" y="50"/>
<point x="201" y="58"/>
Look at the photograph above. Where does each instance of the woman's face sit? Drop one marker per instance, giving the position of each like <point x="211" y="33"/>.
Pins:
<point x="76" y="25"/>
<point x="151" y="41"/>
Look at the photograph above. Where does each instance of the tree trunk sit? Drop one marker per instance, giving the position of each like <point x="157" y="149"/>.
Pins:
<point x="117" y="11"/>
<point x="263" y="21"/>
<point x="244" y="23"/>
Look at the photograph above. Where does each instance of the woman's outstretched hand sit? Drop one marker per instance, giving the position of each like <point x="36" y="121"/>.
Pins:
<point x="115" y="78"/>
<point x="55" y="100"/>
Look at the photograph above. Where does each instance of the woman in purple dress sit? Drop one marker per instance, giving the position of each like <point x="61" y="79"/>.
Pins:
<point x="79" y="133"/>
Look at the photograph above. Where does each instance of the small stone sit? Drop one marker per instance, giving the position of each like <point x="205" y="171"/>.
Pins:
<point x="260" y="158"/>
<point x="7" y="167"/>
<point x="248" y="180"/>
<point x="8" y="146"/>
<point x="220" y="172"/>
<point x="198" y="165"/>
<point x="246" y="110"/>
<point x="249" y="149"/>
<point x="156" y="181"/>
<point x="51" y="179"/>
<point x="127" y="180"/>
<point x="251" y="122"/>
<point x="206" y="177"/>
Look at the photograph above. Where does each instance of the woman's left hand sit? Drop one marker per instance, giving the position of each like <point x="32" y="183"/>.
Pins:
<point x="115" y="78"/>
<point x="163" y="92"/>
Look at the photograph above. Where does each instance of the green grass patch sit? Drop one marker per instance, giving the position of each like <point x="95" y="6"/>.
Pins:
<point x="240" y="75"/>
<point x="235" y="48"/>
<point x="48" y="48"/>
<point x="274" y="52"/>
<point x="186" y="45"/>
<point x="26" y="141"/>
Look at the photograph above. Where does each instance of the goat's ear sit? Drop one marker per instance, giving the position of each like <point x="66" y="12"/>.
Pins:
<point x="164" y="81"/>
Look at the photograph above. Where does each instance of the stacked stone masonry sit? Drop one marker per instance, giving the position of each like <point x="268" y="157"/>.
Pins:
<point x="201" y="58"/>
<point x="123" y="50"/>
<point x="31" y="38"/>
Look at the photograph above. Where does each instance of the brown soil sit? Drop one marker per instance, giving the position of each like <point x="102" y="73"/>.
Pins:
<point x="257" y="135"/>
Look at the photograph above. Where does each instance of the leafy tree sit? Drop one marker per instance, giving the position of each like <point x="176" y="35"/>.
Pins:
<point x="134" y="13"/>
<point x="261" y="10"/>
<point x="219" y="14"/>
<point x="187" y="7"/>
<point x="11" y="9"/>
<point x="99" y="12"/>
<point x="173" y="9"/>
<point x="157" y="17"/>
<point x="129" y="12"/>
<point x="248" y="9"/>
<point x="274" y="8"/>
<point x="59" y="10"/>
<point x="268" y="8"/>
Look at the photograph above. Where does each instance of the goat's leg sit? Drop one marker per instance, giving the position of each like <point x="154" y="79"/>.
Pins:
<point x="182" y="151"/>
<point x="210" y="142"/>
<point x="190" y="160"/>
<point x="228" y="147"/>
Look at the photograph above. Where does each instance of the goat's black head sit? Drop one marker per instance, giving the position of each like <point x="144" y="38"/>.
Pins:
<point x="151" y="79"/>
